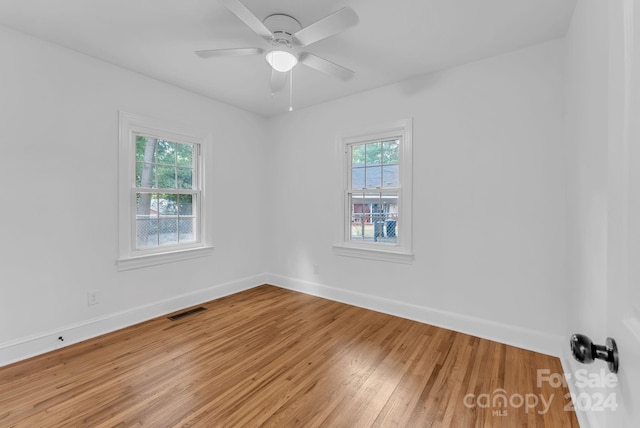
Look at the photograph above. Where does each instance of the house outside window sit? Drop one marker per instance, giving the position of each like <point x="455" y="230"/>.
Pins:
<point x="161" y="193"/>
<point x="376" y="193"/>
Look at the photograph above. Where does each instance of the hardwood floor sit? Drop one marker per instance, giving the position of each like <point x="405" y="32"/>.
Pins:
<point x="277" y="358"/>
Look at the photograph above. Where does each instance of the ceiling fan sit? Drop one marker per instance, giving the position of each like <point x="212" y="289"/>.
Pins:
<point x="284" y="32"/>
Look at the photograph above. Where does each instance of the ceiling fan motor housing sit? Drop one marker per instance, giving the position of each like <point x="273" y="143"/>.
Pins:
<point x="283" y="27"/>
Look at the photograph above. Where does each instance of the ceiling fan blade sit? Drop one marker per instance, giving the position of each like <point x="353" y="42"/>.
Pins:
<point x="278" y="80"/>
<point x="325" y="66"/>
<point x="229" y="52"/>
<point x="328" y="26"/>
<point x="245" y="15"/>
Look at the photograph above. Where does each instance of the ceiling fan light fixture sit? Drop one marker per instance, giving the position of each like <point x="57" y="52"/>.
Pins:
<point x="281" y="61"/>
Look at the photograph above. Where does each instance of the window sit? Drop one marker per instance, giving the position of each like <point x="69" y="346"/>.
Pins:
<point x="161" y="193"/>
<point x="377" y="193"/>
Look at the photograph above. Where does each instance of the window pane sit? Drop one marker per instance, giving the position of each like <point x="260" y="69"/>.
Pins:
<point x="373" y="177"/>
<point x="185" y="205"/>
<point x="377" y="217"/>
<point x="145" y="175"/>
<point x="185" y="178"/>
<point x="390" y="152"/>
<point x="145" y="149"/>
<point x="167" y="204"/>
<point x="373" y="154"/>
<point x="357" y="178"/>
<point x="166" y="152"/>
<point x="168" y="231"/>
<point x="166" y="177"/>
<point x="390" y="174"/>
<point x="389" y="210"/>
<point x="146" y="205"/>
<point x="357" y="155"/>
<point x="186" y="230"/>
<point x="358" y="213"/>
<point x="185" y="155"/>
<point x="146" y="233"/>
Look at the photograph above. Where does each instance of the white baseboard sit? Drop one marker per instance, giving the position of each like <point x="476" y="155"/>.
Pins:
<point x="24" y="348"/>
<point x="504" y="333"/>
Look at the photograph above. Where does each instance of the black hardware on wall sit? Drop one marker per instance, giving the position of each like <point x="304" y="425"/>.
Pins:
<point x="585" y="351"/>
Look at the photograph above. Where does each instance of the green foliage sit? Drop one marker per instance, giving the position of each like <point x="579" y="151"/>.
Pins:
<point x="390" y="152"/>
<point x="142" y="150"/>
<point x="166" y="152"/>
<point x="357" y="154"/>
<point x="185" y="178"/>
<point x="163" y="164"/>
<point x="184" y="155"/>
<point x="369" y="154"/>
<point x="373" y="154"/>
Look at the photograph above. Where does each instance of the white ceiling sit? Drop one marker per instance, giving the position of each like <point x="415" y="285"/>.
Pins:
<point x="393" y="41"/>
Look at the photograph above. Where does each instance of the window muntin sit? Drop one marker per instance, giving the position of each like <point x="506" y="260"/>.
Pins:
<point x="374" y="190"/>
<point x="166" y="192"/>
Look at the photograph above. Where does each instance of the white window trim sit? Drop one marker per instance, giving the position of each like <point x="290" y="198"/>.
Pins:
<point x="128" y="258"/>
<point x="402" y="251"/>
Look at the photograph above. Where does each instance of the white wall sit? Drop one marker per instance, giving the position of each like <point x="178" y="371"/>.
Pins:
<point x="489" y="199"/>
<point x="58" y="165"/>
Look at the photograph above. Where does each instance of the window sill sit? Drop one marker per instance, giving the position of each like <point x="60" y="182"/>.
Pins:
<point x="161" y="258"/>
<point x="394" y="255"/>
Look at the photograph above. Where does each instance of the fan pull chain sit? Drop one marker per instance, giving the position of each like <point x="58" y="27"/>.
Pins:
<point x="291" y="90"/>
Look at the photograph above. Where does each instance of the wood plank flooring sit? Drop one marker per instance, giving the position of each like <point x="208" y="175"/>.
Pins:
<point x="276" y="358"/>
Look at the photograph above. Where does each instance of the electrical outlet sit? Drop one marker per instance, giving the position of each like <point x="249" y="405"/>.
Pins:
<point x="316" y="269"/>
<point x="92" y="298"/>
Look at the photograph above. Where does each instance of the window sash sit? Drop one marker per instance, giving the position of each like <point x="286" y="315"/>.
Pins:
<point x="157" y="163"/>
<point x="376" y="220"/>
<point x="137" y="220"/>
<point x="195" y="192"/>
